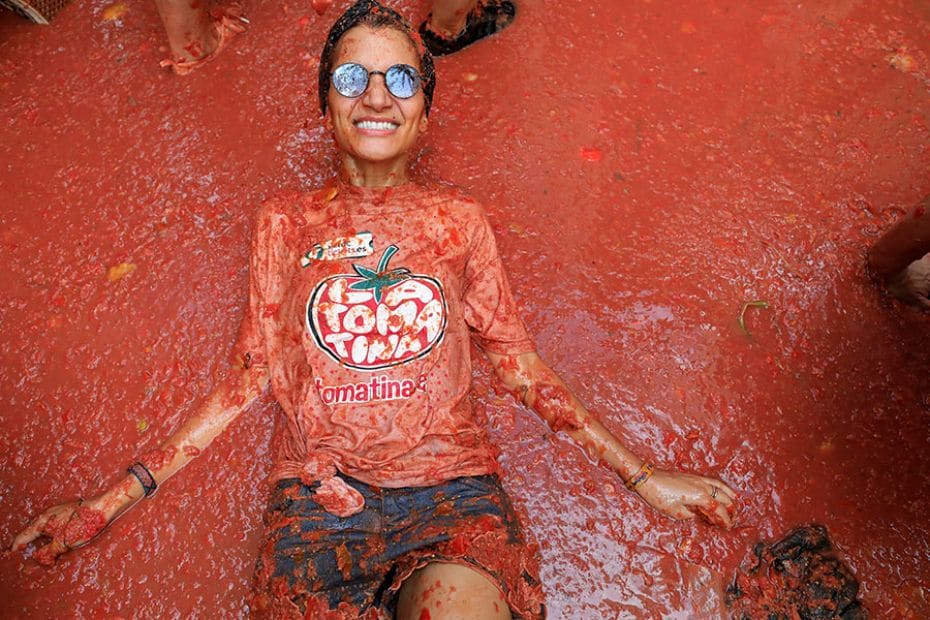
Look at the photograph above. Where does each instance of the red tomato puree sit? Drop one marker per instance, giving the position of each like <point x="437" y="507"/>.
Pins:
<point x="648" y="168"/>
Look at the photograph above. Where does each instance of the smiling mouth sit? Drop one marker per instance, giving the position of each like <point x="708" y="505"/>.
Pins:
<point x="377" y="125"/>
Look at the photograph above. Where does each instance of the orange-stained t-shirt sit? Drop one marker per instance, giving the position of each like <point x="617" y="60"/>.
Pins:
<point x="362" y="303"/>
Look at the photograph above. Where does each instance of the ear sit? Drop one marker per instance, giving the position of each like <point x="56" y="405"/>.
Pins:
<point x="328" y="119"/>
<point x="424" y="123"/>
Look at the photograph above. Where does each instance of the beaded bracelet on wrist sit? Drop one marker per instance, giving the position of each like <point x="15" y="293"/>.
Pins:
<point x="145" y="478"/>
<point x="640" y="477"/>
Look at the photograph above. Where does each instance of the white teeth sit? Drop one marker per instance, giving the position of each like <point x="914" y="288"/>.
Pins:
<point x="376" y="125"/>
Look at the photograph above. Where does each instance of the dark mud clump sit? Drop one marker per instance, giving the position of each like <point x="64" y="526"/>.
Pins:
<point x="800" y="576"/>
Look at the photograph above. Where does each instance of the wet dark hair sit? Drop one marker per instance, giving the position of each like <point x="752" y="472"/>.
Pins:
<point x="376" y="16"/>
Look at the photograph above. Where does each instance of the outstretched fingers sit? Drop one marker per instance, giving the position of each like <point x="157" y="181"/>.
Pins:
<point x="717" y="507"/>
<point x="717" y="514"/>
<point x="713" y="501"/>
<point x="32" y="531"/>
<point x="47" y="554"/>
<point x="714" y="512"/>
<point x="722" y="488"/>
<point x="51" y="523"/>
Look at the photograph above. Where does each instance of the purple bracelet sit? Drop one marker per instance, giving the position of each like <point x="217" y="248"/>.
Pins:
<point x="145" y="478"/>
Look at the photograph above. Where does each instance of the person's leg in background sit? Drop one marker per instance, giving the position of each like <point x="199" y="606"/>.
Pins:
<point x="449" y="16"/>
<point x="455" y="24"/>
<point x="196" y="31"/>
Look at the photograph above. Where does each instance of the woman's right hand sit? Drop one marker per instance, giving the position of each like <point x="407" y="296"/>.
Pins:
<point x="66" y="526"/>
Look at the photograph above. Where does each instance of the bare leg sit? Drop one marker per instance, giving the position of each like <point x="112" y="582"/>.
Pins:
<point x="455" y="24"/>
<point x="191" y="33"/>
<point x="900" y="260"/>
<point x="448" y="18"/>
<point x="446" y="591"/>
<point x="907" y="241"/>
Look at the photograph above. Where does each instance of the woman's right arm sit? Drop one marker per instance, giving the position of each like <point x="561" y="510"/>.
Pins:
<point x="72" y="524"/>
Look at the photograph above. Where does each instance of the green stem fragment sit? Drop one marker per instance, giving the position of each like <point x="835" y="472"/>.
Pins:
<point x="758" y="303"/>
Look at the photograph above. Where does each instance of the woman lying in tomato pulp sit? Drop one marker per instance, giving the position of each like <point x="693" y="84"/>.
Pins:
<point x="363" y="300"/>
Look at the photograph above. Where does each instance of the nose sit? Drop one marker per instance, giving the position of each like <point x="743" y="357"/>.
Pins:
<point x="377" y="96"/>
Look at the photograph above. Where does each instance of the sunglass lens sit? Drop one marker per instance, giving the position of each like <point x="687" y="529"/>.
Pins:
<point x="402" y="80"/>
<point x="350" y="79"/>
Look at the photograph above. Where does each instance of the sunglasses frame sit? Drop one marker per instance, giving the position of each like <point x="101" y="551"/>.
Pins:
<point x="403" y="67"/>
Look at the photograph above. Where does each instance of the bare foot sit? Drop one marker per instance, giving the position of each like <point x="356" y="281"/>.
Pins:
<point x="449" y="29"/>
<point x="448" y="17"/>
<point x="194" y="48"/>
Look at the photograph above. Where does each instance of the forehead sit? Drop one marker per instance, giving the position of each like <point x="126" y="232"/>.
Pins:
<point x="377" y="49"/>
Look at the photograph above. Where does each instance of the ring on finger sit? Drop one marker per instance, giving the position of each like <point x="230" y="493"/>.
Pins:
<point x="713" y="493"/>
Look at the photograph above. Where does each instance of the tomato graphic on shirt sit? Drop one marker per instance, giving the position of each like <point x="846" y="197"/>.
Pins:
<point x="371" y="320"/>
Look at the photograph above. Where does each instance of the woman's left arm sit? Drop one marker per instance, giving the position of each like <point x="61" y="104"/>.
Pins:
<point x="678" y="495"/>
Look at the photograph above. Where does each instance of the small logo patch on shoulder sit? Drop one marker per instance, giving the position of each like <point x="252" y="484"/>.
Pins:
<point x="355" y="246"/>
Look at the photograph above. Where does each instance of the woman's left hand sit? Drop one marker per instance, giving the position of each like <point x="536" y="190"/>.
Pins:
<point x="686" y="496"/>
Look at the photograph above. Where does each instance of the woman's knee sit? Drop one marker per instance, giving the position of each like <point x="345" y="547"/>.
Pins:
<point x="444" y="590"/>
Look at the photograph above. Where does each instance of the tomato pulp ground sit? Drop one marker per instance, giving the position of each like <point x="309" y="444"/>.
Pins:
<point x="650" y="170"/>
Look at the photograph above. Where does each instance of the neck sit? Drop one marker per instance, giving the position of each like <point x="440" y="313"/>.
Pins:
<point x="374" y="174"/>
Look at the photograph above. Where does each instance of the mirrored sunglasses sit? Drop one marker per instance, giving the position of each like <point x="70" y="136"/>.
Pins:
<point x="351" y="80"/>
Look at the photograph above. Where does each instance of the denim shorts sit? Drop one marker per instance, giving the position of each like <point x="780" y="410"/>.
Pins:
<point x="314" y="564"/>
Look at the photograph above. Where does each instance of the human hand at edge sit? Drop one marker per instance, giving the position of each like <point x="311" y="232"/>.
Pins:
<point x="66" y="526"/>
<point x="912" y="285"/>
<point x="687" y="496"/>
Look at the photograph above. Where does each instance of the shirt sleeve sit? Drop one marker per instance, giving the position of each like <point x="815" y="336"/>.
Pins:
<point x="250" y="349"/>
<point x="489" y="307"/>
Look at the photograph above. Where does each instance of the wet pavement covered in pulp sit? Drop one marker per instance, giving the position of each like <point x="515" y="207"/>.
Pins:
<point x="649" y="168"/>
